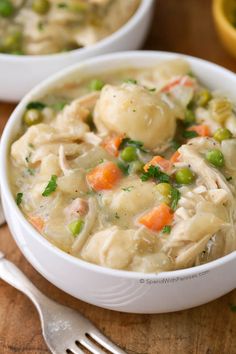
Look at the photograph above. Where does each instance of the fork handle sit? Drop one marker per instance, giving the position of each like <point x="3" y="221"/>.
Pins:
<point x="15" y="277"/>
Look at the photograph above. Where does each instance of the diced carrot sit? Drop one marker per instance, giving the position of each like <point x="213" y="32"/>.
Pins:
<point x="201" y="130"/>
<point x="175" y="157"/>
<point x="164" y="164"/>
<point x="183" y="81"/>
<point x="157" y="218"/>
<point x="37" y="222"/>
<point x="104" y="176"/>
<point x="112" y="143"/>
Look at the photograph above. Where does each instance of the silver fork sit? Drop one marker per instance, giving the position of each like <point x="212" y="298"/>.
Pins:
<point x="65" y="330"/>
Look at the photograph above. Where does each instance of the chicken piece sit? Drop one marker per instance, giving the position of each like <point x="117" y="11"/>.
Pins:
<point x="71" y="121"/>
<point x="210" y="177"/>
<point x="135" y="111"/>
<point x="78" y="207"/>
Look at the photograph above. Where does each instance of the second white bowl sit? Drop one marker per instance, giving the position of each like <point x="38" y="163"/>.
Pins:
<point x="19" y="74"/>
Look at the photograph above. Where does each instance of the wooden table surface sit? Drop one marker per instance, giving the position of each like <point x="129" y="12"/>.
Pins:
<point x="183" y="26"/>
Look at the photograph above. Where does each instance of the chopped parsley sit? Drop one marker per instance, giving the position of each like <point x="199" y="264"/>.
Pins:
<point x="152" y="89"/>
<point x="27" y="159"/>
<point x="36" y="105"/>
<point x="155" y="173"/>
<point x="128" y="189"/>
<point x="129" y="142"/>
<point x="31" y="171"/>
<point x="166" y="229"/>
<point x="175" y="197"/>
<point x="131" y="81"/>
<point x="124" y="167"/>
<point x="51" y="187"/>
<point x="229" y="178"/>
<point x="62" y="5"/>
<point x="40" y="26"/>
<point x="117" y="216"/>
<point x="189" y="134"/>
<point x="19" y="198"/>
<point x="59" y="106"/>
<point x="175" y="144"/>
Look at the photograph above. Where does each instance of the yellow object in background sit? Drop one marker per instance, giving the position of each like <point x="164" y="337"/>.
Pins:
<point x="224" y="12"/>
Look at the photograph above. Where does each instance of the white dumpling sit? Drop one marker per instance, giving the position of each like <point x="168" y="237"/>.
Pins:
<point x="136" y="112"/>
<point x="111" y="248"/>
<point x="130" y="198"/>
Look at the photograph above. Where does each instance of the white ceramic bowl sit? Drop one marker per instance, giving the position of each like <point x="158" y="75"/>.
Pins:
<point x="114" y="289"/>
<point x="19" y="74"/>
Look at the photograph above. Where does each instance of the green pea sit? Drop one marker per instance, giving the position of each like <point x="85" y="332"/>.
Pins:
<point x="41" y="7"/>
<point x="76" y="227"/>
<point x="215" y="157"/>
<point x="32" y="116"/>
<point x="222" y="134"/>
<point x="189" y="117"/>
<point x="96" y="85"/>
<point x="12" y="42"/>
<point x="184" y="176"/>
<point x="6" y="8"/>
<point x="203" y="97"/>
<point x="165" y="190"/>
<point x="129" y="154"/>
<point x="136" y="167"/>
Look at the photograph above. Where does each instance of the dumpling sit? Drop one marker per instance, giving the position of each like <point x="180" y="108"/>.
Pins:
<point x="131" y="198"/>
<point x="136" y="112"/>
<point x="113" y="248"/>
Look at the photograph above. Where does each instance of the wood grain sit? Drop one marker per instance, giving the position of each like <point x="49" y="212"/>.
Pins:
<point x="184" y="26"/>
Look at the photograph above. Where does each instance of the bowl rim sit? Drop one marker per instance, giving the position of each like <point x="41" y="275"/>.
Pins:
<point x="4" y="153"/>
<point x="141" y="11"/>
<point x="221" y="17"/>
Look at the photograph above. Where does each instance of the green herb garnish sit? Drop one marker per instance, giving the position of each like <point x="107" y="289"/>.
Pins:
<point x="117" y="216"/>
<point x="51" y="187"/>
<point x="175" y="197"/>
<point x="156" y="173"/>
<point x="58" y="106"/>
<point x="166" y="229"/>
<point x="62" y="5"/>
<point x="131" y="81"/>
<point x="19" y="198"/>
<point x="128" y="189"/>
<point x="36" y="105"/>
<point x="30" y="171"/>
<point x="229" y="178"/>
<point x="124" y="167"/>
<point x="175" y="144"/>
<point x="189" y="134"/>
<point x="135" y="143"/>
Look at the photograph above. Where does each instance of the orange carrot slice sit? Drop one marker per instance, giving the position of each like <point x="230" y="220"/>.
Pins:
<point x="104" y="176"/>
<point x="111" y="144"/>
<point x="201" y="130"/>
<point x="157" y="218"/>
<point x="37" y="222"/>
<point x="183" y="81"/>
<point x="175" y="157"/>
<point x="164" y="164"/>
